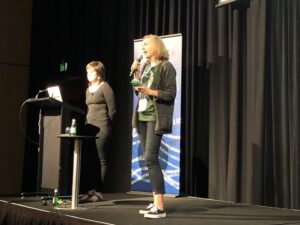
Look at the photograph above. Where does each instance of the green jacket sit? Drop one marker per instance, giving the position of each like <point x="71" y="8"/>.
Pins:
<point x="164" y="102"/>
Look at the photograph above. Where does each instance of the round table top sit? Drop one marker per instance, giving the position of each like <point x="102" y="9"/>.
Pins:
<point x="76" y="136"/>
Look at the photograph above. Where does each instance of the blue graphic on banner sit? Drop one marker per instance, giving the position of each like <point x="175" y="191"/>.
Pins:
<point x="169" y="155"/>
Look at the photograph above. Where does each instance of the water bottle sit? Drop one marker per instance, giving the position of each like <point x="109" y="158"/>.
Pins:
<point x="73" y="129"/>
<point x="63" y="66"/>
<point x="55" y="198"/>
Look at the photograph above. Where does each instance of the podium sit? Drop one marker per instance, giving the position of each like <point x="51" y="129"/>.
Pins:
<point x="55" y="155"/>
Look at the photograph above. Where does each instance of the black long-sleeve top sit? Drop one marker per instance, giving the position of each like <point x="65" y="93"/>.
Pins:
<point x="101" y="106"/>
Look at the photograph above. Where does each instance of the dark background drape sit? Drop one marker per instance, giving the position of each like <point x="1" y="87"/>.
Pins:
<point x="240" y="86"/>
<point x="79" y="32"/>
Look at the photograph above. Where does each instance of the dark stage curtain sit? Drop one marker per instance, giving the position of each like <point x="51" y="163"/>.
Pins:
<point x="282" y="133"/>
<point x="81" y="31"/>
<point x="236" y="100"/>
<point x="254" y="114"/>
<point x="240" y="138"/>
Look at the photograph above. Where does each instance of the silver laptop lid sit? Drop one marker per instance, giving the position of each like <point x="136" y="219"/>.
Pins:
<point x="54" y="92"/>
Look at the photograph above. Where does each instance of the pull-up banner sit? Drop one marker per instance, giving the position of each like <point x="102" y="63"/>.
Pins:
<point x="169" y="155"/>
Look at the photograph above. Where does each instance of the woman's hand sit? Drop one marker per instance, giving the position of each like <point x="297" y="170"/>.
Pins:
<point x="135" y="65"/>
<point x="147" y="91"/>
<point x="141" y="89"/>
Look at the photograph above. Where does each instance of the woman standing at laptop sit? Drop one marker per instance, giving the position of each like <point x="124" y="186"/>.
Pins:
<point x="100" y="114"/>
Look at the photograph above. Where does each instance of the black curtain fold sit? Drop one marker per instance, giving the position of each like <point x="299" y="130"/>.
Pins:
<point x="284" y="107"/>
<point x="254" y="123"/>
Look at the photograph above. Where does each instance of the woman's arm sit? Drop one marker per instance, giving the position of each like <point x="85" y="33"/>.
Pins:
<point x="110" y="101"/>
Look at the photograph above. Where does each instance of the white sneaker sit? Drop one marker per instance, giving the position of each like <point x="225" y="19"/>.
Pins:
<point x="144" y="211"/>
<point x="155" y="213"/>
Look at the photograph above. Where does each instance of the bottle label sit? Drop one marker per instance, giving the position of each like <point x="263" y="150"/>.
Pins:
<point x="55" y="199"/>
<point x="73" y="127"/>
<point x="62" y="67"/>
<point x="73" y="130"/>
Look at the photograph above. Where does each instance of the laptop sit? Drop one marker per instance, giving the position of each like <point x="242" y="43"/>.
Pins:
<point x="54" y="92"/>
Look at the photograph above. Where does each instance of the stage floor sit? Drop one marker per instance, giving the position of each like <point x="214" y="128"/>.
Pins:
<point x="122" y="209"/>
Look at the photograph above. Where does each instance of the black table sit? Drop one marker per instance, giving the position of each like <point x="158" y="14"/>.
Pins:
<point x="76" y="164"/>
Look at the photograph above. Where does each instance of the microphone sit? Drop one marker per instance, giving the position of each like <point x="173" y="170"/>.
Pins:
<point x="133" y="70"/>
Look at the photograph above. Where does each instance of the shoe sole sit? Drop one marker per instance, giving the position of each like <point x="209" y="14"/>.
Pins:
<point x="152" y="216"/>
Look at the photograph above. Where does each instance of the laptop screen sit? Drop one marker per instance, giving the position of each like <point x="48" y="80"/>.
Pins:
<point x="54" y="92"/>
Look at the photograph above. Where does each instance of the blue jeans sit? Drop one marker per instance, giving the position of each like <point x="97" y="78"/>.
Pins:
<point x="150" y="144"/>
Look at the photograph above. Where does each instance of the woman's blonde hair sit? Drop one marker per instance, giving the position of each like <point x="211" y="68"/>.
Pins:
<point x="98" y="67"/>
<point x="161" y="51"/>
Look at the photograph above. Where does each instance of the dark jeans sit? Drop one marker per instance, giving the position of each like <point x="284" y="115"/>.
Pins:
<point x="95" y="160"/>
<point x="150" y="144"/>
<point x="102" y="146"/>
